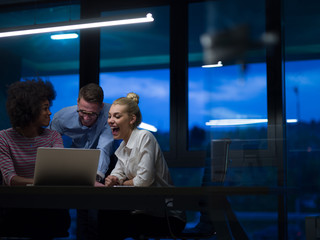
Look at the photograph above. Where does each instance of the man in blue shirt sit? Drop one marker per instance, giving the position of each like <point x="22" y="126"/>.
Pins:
<point x="87" y="125"/>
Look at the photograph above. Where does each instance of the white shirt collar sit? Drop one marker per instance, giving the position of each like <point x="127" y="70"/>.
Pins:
<point x="131" y="142"/>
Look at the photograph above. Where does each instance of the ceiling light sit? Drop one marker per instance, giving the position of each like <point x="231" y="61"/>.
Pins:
<point x="64" y="36"/>
<point x="73" y="25"/>
<point x="233" y="122"/>
<point x="219" y="64"/>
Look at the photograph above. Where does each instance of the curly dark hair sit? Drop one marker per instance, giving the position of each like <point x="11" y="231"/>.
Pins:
<point x="25" y="98"/>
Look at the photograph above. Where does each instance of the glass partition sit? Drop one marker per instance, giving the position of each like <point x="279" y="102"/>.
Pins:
<point x="130" y="62"/>
<point x="302" y="90"/>
<point x="39" y="56"/>
<point x="227" y="72"/>
<point x="222" y="104"/>
<point x="228" y="104"/>
<point x="33" y="56"/>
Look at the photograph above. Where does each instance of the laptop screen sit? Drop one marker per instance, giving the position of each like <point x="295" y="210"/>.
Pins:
<point x="66" y="166"/>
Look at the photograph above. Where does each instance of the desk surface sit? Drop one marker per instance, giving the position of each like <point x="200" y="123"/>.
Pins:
<point x="191" y="198"/>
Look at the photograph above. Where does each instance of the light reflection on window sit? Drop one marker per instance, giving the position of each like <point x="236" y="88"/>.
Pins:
<point x="227" y="94"/>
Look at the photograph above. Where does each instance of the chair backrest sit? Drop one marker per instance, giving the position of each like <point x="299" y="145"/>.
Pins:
<point x="113" y="162"/>
<point x="219" y="159"/>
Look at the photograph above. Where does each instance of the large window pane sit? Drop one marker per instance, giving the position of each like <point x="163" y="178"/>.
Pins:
<point x="39" y="15"/>
<point x="34" y="56"/>
<point x="225" y="105"/>
<point x="152" y="86"/>
<point x="67" y="89"/>
<point x="302" y="91"/>
<point x="135" y="58"/>
<point x="228" y="101"/>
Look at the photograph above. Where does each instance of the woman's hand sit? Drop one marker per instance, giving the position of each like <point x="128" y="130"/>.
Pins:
<point x="20" y="181"/>
<point x="110" y="181"/>
<point x="128" y="183"/>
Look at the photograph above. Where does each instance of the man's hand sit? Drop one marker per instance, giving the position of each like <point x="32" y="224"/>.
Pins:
<point x="97" y="184"/>
<point x="99" y="179"/>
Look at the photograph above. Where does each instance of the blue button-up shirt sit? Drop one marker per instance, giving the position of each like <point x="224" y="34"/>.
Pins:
<point x="98" y="136"/>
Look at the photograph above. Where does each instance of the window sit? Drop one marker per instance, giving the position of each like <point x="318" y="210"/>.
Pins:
<point x="228" y="101"/>
<point x="135" y="58"/>
<point x="34" y="56"/>
<point x="302" y="91"/>
<point x="152" y="86"/>
<point x="67" y="89"/>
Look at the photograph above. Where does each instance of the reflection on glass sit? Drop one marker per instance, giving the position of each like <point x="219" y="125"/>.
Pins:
<point x="28" y="57"/>
<point x="39" y="15"/>
<point x="302" y="88"/>
<point x="230" y="101"/>
<point x="302" y="96"/>
<point x="225" y="103"/>
<point x="303" y="139"/>
<point x="135" y="58"/>
<point x="138" y="46"/>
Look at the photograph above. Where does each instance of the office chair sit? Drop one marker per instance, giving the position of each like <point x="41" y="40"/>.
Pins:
<point x="223" y="224"/>
<point x="214" y="222"/>
<point x="222" y="220"/>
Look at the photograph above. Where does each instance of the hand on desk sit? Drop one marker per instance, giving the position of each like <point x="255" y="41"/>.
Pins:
<point x="110" y="181"/>
<point x="97" y="184"/>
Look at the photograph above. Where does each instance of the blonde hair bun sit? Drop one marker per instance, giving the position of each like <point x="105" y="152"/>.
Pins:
<point x="133" y="96"/>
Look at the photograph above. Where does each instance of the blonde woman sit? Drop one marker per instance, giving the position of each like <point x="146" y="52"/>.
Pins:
<point x="140" y="164"/>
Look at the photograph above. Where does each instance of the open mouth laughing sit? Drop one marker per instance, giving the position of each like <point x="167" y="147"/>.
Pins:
<point x="115" y="131"/>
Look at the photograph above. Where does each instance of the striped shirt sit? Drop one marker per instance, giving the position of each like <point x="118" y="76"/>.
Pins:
<point x="18" y="153"/>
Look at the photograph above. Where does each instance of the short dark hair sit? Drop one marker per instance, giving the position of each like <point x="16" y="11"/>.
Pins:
<point x="25" y="98"/>
<point x="91" y="92"/>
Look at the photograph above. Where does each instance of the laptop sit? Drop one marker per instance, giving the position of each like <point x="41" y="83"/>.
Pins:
<point x="66" y="167"/>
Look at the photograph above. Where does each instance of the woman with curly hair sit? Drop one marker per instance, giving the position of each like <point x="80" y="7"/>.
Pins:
<point x="28" y="105"/>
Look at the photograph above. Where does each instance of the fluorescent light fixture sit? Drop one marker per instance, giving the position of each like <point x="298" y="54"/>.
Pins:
<point x="229" y="122"/>
<point x="64" y="36"/>
<point x="235" y="122"/>
<point x="74" y="25"/>
<point x="219" y="64"/>
<point x="148" y="127"/>
<point x="292" y="120"/>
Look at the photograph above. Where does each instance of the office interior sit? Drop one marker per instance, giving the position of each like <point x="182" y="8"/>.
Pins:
<point x="261" y="93"/>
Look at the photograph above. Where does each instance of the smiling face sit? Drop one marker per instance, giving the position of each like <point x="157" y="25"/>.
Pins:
<point x="44" y="117"/>
<point x="88" y="112"/>
<point x="120" y="122"/>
